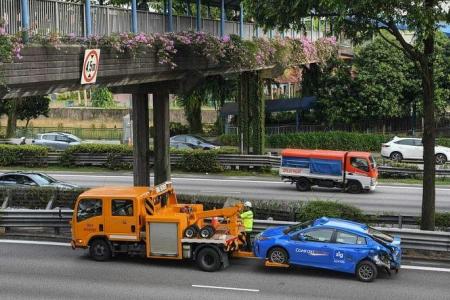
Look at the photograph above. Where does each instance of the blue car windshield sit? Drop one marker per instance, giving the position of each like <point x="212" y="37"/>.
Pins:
<point x="298" y="226"/>
<point x="380" y="235"/>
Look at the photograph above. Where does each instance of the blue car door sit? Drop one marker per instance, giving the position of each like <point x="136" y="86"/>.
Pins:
<point x="312" y="248"/>
<point x="348" y="249"/>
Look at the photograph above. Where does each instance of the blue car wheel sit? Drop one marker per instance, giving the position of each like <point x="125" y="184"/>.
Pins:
<point x="278" y="255"/>
<point x="366" y="271"/>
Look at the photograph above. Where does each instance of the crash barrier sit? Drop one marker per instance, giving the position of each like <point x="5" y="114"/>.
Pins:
<point x="59" y="219"/>
<point x="226" y="160"/>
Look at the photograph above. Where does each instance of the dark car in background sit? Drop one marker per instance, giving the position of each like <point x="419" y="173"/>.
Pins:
<point x="195" y="140"/>
<point x="183" y="146"/>
<point x="32" y="179"/>
<point x="56" y="140"/>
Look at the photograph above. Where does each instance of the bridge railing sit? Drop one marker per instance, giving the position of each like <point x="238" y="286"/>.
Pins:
<point x="47" y="16"/>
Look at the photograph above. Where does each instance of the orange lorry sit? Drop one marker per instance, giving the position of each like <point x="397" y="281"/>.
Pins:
<point x="149" y="221"/>
<point x="352" y="171"/>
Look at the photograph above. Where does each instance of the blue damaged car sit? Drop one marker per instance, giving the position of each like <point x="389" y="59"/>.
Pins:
<point x="333" y="244"/>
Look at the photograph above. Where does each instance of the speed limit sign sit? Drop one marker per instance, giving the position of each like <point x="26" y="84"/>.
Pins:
<point x="90" y="66"/>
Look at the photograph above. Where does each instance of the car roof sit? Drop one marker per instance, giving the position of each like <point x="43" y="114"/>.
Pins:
<point x="341" y="224"/>
<point x="116" y="192"/>
<point x="396" y="138"/>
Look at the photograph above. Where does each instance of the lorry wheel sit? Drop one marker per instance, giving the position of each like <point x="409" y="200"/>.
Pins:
<point x="99" y="250"/>
<point x="208" y="260"/>
<point x="303" y="185"/>
<point x="207" y="231"/>
<point x="278" y="255"/>
<point x="191" y="231"/>
<point x="354" y="187"/>
<point x="366" y="271"/>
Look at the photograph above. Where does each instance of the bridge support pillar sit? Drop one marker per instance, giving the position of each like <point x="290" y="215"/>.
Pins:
<point x="161" y="140"/>
<point x="141" y="166"/>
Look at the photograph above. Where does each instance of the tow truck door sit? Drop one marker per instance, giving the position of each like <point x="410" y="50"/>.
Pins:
<point x="123" y="219"/>
<point x="89" y="219"/>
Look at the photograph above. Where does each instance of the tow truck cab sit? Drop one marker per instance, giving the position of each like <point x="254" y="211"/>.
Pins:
<point x="150" y="223"/>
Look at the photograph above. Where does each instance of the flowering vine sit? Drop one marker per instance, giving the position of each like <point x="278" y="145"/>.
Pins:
<point x="231" y="51"/>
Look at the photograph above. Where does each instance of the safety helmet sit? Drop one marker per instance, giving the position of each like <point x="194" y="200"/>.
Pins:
<point x="248" y="204"/>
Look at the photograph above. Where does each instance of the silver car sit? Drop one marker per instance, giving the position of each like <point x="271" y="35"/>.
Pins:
<point x="56" y="140"/>
<point x="32" y="179"/>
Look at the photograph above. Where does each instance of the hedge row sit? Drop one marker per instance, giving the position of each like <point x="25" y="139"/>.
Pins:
<point x="332" y="140"/>
<point x="27" y="155"/>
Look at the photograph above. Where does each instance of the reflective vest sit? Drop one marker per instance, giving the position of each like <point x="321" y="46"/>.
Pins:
<point x="247" y="219"/>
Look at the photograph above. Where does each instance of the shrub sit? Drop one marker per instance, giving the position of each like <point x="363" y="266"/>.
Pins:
<point x="200" y="161"/>
<point x="229" y="139"/>
<point x="333" y="140"/>
<point x="442" y="220"/>
<point x="26" y="155"/>
<point x="316" y="209"/>
<point x="114" y="154"/>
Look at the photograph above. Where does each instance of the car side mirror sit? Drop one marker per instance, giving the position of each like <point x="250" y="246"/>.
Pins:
<point x="298" y="237"/>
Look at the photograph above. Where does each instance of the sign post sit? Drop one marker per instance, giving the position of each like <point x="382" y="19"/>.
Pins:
<point x="90" y="66"/>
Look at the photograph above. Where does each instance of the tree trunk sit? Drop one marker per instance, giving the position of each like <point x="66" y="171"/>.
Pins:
<point x="12" y="119"/>
<point x="428" y="196"/>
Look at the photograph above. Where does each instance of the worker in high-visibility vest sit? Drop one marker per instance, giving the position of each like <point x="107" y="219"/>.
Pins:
<point x="247" y="219"/>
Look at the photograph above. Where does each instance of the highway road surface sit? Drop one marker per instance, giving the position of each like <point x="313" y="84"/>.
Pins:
<point x="403" y="199"/>
<point x="57" y="272"/>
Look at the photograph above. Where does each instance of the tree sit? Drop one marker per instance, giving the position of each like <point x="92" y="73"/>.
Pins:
<point x="32" y="107"/>
<point x="102" y="97"/>
<point x="360" y="20"/>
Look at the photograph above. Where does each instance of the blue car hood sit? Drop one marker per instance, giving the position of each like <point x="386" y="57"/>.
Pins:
<point x="274" y="231"/>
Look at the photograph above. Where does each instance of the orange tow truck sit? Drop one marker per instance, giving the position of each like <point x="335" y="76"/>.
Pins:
<point x="149" y="222"/>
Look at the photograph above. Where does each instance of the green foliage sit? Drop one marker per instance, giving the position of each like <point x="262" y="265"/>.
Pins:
<point x="332" y="209"/>
<point x="102" y="97"/>
<point x="200" y="161"/>
<point x="332" y="140"/>
<point x="114" y="154"/>
<point x="442" y="220"/>
<point x="32" y="107"/>
<point x="229" y="139"/>
<point x="26" y="155"/>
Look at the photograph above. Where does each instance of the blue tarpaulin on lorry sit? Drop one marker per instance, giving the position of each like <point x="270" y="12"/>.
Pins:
<point x="326" y="166"/>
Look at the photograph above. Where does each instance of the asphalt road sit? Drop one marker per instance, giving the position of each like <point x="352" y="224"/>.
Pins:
<point x="403" y="199"/>
<point x="58" y="272"/>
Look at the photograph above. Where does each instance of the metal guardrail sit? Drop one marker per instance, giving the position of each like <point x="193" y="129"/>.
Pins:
<point x="227" y="160"/>
<point x="411" y="238"/>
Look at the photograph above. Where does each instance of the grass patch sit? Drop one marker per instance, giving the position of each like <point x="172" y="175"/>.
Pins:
<point x="439" y="181"/>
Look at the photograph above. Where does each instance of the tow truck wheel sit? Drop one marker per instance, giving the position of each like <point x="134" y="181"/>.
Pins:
<point x="303" y="185"/>
<point x="278" y="255"/>
<point x="208" y="260"/>
<point x="191" y="231"/>
<point x="99" y="250"/>
<point x="206" y="232"/>
<point x="366" y="271"/>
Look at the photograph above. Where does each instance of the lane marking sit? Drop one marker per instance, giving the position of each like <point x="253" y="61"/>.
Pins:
<point x="34" y="243"/>
<point x="221" y="192"/>
<point x="230" y="180"/>
<point x="433" y="269"/>
<point x="224" y="288"/>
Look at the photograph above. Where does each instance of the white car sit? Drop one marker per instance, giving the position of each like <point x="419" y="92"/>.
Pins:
<point x="411" y="148"/>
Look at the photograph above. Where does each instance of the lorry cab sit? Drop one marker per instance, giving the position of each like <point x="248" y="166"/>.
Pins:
<point x="352" y="171"/>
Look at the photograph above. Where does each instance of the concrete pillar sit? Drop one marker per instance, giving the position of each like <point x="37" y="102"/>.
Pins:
<point x="161" y="140"/>
<point x="141" y="168"/>
<point x="222" y="18"/>
<point x="241" y="20"/>
<point x="170" y="14"/>
<point x="87" y="17"/>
